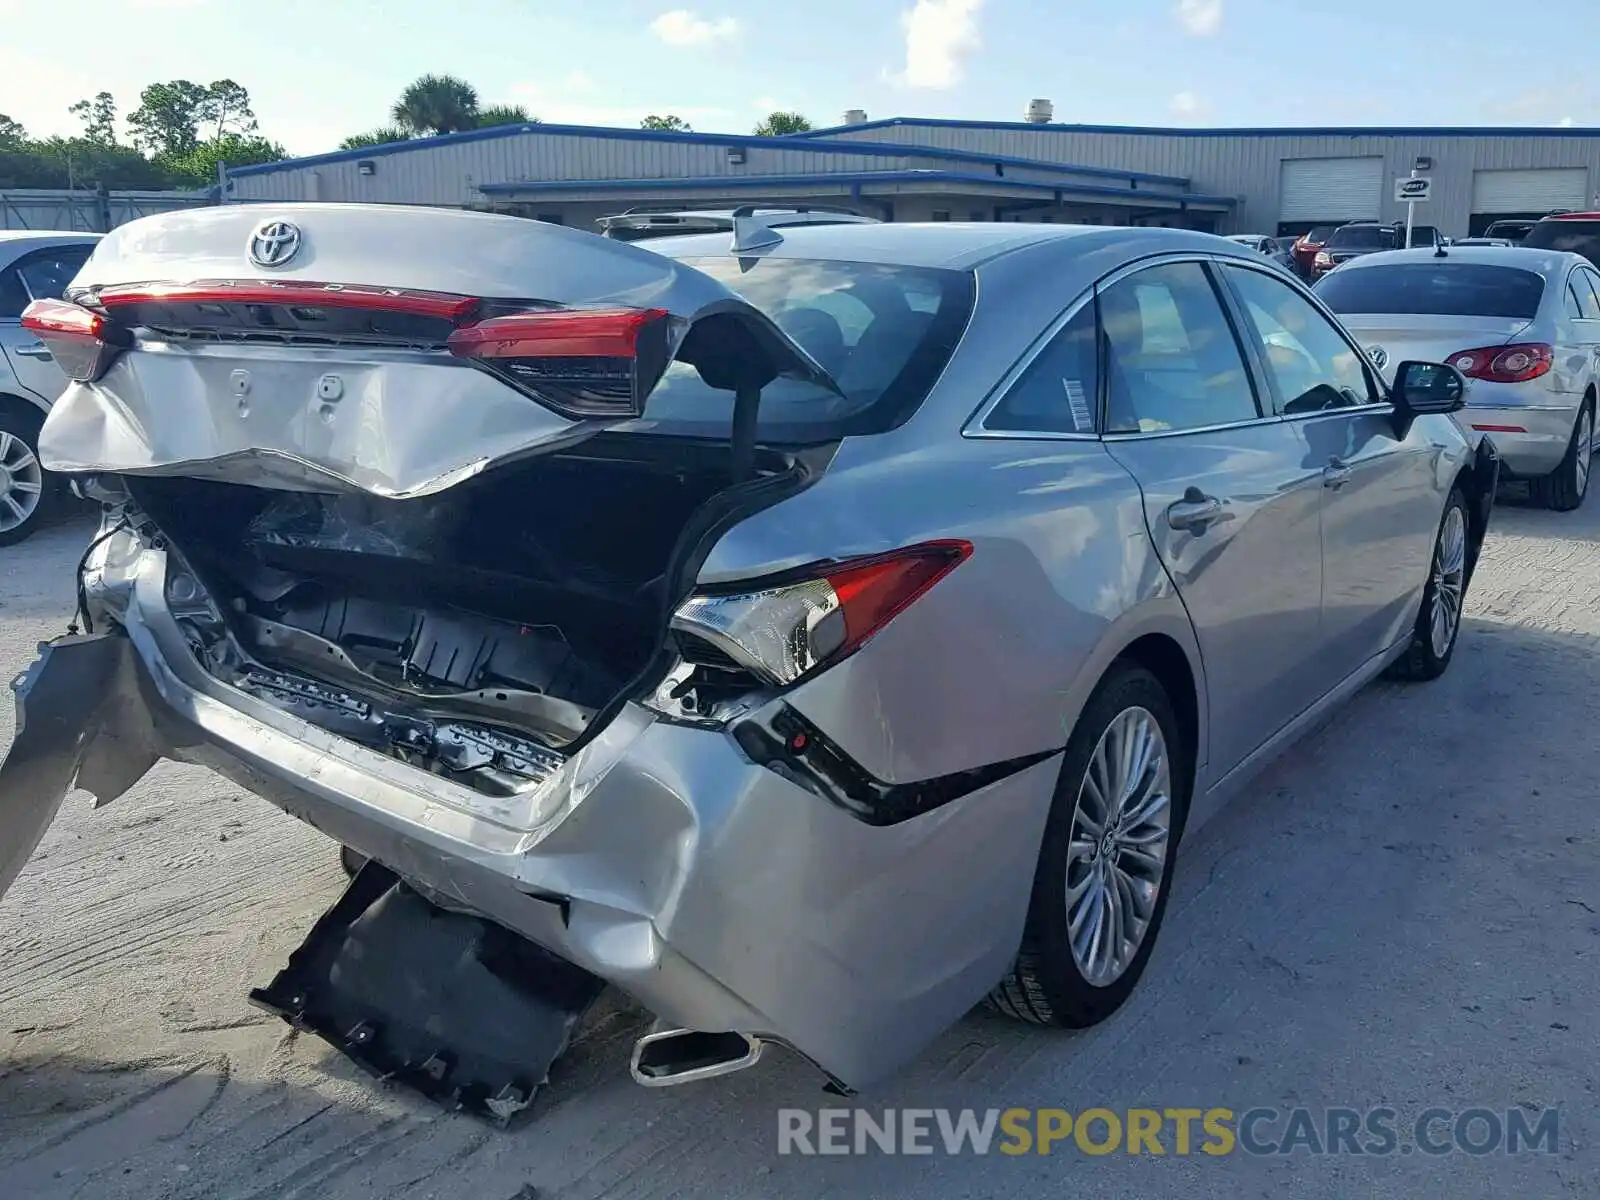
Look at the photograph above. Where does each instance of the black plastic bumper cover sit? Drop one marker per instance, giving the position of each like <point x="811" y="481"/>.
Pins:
<point x="457" y="1007"/>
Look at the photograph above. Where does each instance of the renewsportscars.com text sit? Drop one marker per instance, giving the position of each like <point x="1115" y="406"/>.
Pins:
<point x="1177" y="1131"/>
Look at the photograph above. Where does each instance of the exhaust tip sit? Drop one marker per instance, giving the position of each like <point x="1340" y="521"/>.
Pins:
<point x="666" y="1057"/>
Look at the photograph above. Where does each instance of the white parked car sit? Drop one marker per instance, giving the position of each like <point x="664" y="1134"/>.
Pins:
<point x="1522" y="325"/>
<point x="34" y="265"/>
<point x="1279" y="250"/>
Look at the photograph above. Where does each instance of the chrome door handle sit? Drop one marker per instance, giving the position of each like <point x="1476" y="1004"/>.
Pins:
<point x="33" y="350"/>
<point x="1195" y="511"/>
<point x="1336" y="474"/>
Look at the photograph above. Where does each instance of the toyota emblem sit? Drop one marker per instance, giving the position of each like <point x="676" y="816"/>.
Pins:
<point x="1380" y="356"/>
<point x="274" y="243"/>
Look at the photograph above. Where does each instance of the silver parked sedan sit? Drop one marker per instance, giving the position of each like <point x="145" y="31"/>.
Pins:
<point x="1522" y="325"/>
<point x="808" y="631"/>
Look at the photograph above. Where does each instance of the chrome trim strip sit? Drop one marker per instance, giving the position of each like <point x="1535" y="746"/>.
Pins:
<point x="1140" y="435"/>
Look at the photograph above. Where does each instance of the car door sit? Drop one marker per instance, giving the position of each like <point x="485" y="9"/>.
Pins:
<point x="1587" y="328"/>
<point x="39" y="275"/>
<point x="1380" y="503"/>
<point x="1230" y="503"/>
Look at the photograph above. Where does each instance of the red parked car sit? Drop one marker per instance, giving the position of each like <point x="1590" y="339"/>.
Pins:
<point x="1578" y="232"/>
<point x="1306" y="246"/>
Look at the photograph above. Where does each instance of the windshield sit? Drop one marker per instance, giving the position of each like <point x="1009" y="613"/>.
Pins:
<point x="1320" y="234"/>
<point x="1443" y="289"/>
<point x="1362" y="237"/>
<point x="883" y="332"/>
<point x="1580" y="237"/>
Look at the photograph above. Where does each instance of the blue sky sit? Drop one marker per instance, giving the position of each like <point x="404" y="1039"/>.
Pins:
<point x="320" y="69"/>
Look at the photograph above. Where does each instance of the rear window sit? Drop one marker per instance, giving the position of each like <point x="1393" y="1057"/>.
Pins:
<point x="883" y="332"/>
<point x="1580" y="237"/>
<point x="1441" y="289"/>
<point x="1362" y="237"/>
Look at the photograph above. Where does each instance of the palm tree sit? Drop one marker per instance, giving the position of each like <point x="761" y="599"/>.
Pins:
<point x="504" y="114"/>
<point x="780" y="124"/>
<point x="375" y="137"/>
<point x="437" y="104"/>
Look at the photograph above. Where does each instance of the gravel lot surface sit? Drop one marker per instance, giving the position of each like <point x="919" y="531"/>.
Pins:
<point x="1402" y="913"/>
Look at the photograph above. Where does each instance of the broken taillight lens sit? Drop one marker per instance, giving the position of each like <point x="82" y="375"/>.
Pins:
<point x="584" y="363"/>
<point x="83" y="343"/>
<point x="784" y="632"/>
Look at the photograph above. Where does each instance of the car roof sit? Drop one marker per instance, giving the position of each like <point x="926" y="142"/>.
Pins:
<point x="1544" y="262"/>
<point x="956" y="245"/>
<point x="14" y="243"/>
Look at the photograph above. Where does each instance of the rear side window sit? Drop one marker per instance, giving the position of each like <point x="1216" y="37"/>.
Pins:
<point x="1579" y="237"/>
<point x="884" y="333"/>
<point x="1057" y="393"/>
<point x="42" y="275"/>
<point x="1171" y="359"/>
<point x="1436" y="288"/>
<point x="1584" y="283"/>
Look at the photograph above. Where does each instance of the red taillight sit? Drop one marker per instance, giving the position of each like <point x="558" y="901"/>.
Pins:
<point x="1505" y="364"/>
<point x="558" y="333"/>
<point x="583" y="363"/>
<point x="442" y="305"/>
<point x="873" y="593"/>
<point x="783" y="632"/>
<point x="83" y="343"/>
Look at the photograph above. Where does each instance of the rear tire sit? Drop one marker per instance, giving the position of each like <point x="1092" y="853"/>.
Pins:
<point x="1438" y="627"/>
<point x="1072" y="972"/>
<point x="1565" y="488"/>
<point x="27" y="494"/>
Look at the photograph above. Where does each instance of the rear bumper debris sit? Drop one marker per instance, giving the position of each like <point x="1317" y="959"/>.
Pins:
<point x="717" y="892"/>
<point x="459" y="1008"/>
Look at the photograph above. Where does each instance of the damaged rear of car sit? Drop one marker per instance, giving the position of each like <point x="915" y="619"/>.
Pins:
<point x="395" y="542"/>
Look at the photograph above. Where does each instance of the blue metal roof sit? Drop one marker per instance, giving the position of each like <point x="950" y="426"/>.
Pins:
<point x="1257" y="131"/>
<point x="793" y="142"/>
<point x="852" y="178"/>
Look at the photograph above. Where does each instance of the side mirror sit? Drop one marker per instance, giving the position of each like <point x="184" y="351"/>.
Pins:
<point x="1424" y="387"/>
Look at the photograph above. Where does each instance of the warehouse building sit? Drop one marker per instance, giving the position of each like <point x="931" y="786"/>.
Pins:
<point x="915" y="169"/>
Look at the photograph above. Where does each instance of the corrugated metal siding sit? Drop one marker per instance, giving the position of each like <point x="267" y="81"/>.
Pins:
<point x="1249" y="166"/>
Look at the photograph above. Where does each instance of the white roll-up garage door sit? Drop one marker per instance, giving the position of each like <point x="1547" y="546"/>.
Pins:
<point x="1530" y="191"/>
<point x="1331" y="189"/>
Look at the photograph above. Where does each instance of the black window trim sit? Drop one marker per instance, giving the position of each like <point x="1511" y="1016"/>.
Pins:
<point x="976" y="424"/>
<point x="22" y="260"/>
<point x="1375" y="381"/>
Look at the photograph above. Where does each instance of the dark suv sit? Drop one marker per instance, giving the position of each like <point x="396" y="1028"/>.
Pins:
<point x="1578" y="232"/>
<point x="1369" y="237"/>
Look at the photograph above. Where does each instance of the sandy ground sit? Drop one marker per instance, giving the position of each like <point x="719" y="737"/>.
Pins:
<point x="1401" y="913"/>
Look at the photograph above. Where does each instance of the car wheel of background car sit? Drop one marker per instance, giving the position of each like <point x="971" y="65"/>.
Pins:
<point x="1438" y="627"/>
<point x="25" y="492"/>
<point x="1106" y="861"/>
<point x="1565" y="487"/>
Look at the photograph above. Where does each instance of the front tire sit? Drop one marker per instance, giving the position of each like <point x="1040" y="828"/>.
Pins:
<point x="26" y="493"/>
<point x="1564" y="488"/>
<point x="1438" y="627"/>
<point x="1105" y="865"/>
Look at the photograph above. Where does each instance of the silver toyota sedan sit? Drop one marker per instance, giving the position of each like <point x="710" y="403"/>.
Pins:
<point x="810" y="632"/>
<point x="1523" y="327"/>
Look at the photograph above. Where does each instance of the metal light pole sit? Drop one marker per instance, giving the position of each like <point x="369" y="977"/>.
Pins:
<point x="1411" y="213"/>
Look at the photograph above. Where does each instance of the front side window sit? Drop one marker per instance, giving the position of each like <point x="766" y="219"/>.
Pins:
<point x="1312" y="366"/>
<point x="1171" y="359"/>
<point x="1058" y="391"/>
<point x="47" y="273"/>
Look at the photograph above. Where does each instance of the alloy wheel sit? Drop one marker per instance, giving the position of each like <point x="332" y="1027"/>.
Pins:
<point x="21" y="482"/>
<point x="1449" y="580"/>
<point x="1117" y="851"/>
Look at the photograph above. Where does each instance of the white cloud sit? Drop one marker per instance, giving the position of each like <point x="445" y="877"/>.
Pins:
<point x="1188" y="106"/>
<point x="940" y="34"/>
<point x="680" y="27"/>
<point x="1565" y="122"/>
<point x="1200" y="17"/>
